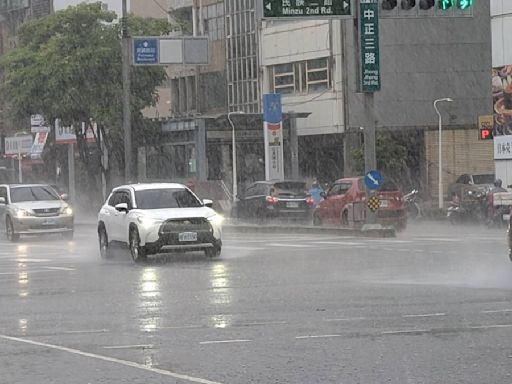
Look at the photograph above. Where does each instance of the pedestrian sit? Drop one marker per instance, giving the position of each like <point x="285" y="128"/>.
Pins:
<point x="316" y="191"/>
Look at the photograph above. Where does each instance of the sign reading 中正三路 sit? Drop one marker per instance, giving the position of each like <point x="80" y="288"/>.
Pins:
<point x="306" y="8"/>
<point x="369" y="43"/>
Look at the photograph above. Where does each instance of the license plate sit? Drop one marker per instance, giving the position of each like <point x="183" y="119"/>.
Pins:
<point x="384" y="203"/>
<point x="292" y="204"/>
<point x="48" y="222"/>
<point x="188" y="236"/>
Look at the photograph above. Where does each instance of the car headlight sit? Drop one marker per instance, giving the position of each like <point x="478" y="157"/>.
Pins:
<point x="66" y="211"/>
<point x="20" y="212"/>
<point x="216" y="220"/>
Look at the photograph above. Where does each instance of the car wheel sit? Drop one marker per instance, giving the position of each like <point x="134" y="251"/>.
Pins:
<point x="9" y="231"/>
<point x="68" y="235"/>
<point x="317" y="221"/>
<point x="213" y="252"/>
<point x="137" y="251"/>
<point x="105" y="251"/>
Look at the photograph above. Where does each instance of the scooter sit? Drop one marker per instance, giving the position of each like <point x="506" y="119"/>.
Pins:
<point x="473" y="210"/>
<point x="412" y="205"/>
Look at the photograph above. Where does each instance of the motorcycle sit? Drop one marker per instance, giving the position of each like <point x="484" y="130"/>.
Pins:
<point x="472" y="208"/>
<point x="412" y="205"/>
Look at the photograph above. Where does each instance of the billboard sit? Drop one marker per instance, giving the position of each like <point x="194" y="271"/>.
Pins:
<point x="502" y="100"/>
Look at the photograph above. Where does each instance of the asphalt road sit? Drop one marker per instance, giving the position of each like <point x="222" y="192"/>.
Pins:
<point x="433" y="305"/>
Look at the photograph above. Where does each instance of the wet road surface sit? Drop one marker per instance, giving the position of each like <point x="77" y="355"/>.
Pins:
<point x="433" y="305"/>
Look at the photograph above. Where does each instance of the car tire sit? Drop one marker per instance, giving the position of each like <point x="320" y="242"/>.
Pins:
<point x="9" y="231"/>
<point x="105" y="251"/>
<point x="215" y="251"/>
<point x="137" y="251"/>
<point x="68" y="235"/>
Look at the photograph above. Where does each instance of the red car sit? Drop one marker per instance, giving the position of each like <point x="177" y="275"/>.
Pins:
<point x="345" y="203"/>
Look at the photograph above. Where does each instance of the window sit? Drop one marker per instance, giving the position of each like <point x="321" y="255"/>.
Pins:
<point x="301" y="76"/>
<point x="43" y="193"/>
<point x="340" y="189"/>
<point x="3" y="193"/>
<point x="120" y="197"/>
<point x="214" y="21"/>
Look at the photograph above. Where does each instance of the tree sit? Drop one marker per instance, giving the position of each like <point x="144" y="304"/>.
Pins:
<point x="68" y="67"/>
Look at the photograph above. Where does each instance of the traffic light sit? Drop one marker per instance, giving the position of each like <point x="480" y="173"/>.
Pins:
<point x="408" y="4"/>
<point x="427" y="4"/>
<point x="464" y="4"/>
<point x="388" y="5"/>
<point x="446" y="4"/>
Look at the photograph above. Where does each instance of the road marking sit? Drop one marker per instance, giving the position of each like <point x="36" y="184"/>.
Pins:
<point x="497" y="311"/>
<point x="225" y="341"/>
<point x="316" y="336"/>
<point x="426" y="315"/>
<point x="28" y="271"/>
<point x="127" y="363"/>
<point x="88" y="331"/>
<point x="141" y="346"/>
<point x="404" y="332"/>
<point x="60" y="268"/>
<point x="260" y="323"/>
<point x="345" y="319"/>
<point x="236" y="247"/>
<point x="491" y="326"/>
<point x="290" y="245"/>
<point x="182" y="327"/>
<point x="338" y="243"/>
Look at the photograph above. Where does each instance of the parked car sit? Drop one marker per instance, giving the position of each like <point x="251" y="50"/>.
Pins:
<point x="469" y="181"/>
<point x="27" y="209"/>
<point x="347" y="197"/>
<point x="287" y="199"/>
<point x="158" y="217"/>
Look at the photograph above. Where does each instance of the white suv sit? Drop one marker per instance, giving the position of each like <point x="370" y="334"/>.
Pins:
<point x="153" y="218"/>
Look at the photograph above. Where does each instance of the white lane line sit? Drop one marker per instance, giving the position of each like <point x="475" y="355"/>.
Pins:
<point x="182" y="327"/>
<point x="133" y="346"/>
<point x="497" y="311"/>
<point x="345" y="319"/>
<point x="337" y="243"/>
<point x="87" y="331"/>
<point x="225" y="341"/>
<point x="491" y="326"/>
<point x="426" y="315"/>
<point x="404" y="332"/>
<point x="60" y="268"/>
<point x="316" y="336"/>
<point x="260" y="323"/>
<point x="131" y="364"/>
<point x="236" y="247"/>
<point x="290" y="245"/>
<point x="28" y="271"/>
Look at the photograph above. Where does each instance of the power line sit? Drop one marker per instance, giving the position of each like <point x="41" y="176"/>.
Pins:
<point x="162" y="8"/>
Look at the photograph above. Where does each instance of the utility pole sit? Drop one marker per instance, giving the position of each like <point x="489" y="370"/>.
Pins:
<point x="127" y="120"/>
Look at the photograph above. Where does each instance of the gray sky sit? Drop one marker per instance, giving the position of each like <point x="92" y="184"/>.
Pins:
<point x="113" y="5"/>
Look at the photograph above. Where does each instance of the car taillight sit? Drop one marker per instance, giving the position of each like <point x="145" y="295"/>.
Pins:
<point x="272" y="200"/>
<point x="310" y="201"/>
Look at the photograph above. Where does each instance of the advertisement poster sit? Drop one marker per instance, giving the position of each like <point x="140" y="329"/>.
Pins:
<point x="502" y="100"/>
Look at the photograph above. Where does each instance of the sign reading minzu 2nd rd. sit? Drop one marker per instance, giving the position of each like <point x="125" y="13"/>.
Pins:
<point x="306" y="8"/>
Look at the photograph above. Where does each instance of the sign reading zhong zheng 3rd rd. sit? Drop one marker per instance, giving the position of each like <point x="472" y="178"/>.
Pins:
<point x="369" y="43"/>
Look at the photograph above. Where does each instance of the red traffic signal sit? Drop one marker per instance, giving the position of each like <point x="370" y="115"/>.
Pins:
<point x="486" y="134"/>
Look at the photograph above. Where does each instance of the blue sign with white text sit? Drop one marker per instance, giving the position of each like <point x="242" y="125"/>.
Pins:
<point x="145" y="51"/>
<point x="272" y="110"/>
<point x="373" y="180"/>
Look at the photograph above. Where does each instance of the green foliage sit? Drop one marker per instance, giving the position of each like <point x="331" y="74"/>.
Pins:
<point x="68" y="66"/>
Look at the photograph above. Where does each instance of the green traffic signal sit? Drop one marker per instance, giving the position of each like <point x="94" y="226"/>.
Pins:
<point x="447" y="4"/>
<point x="464" y="4"/>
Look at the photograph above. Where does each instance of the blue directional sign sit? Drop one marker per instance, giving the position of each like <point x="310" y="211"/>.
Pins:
<point x="145" y="51"/>
<point x="272" y="109"/>
<point x="373" y="180"/>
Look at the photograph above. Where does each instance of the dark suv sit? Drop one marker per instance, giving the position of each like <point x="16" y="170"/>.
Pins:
<point x="276" y="199"/>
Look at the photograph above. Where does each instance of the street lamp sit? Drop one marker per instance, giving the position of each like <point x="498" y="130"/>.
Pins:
<point x="234" y="151"/>
<point x="441" y="201"/>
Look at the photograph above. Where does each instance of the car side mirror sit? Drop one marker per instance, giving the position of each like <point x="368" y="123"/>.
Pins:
<point x="64" y="196"/>
<point x="2" y="201"/>
<point x="208" y="203"/>
<point x="122" y="207"/>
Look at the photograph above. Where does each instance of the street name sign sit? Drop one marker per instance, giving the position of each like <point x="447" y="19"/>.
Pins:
<point x="164" y="50"/>
<point x="369" y="43"/>
<point x="307" y="8"/>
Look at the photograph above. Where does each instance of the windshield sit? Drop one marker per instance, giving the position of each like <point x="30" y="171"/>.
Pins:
<point x="290" y="188"/>
<point x="483" y="179"/>
<point x="166" y="198"/>
<point x="39" y="193"/>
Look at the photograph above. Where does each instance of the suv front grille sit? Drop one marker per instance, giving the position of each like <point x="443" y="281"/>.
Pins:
<point x="46" y="212"/>
<point x="195" y="224"/>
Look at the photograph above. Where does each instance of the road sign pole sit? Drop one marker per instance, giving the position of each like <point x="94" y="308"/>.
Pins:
<point x="127" y="121"/>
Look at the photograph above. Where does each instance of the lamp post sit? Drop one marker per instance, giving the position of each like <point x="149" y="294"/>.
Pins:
<point x="441" y="201"/>
<point x="233" y="152"/>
